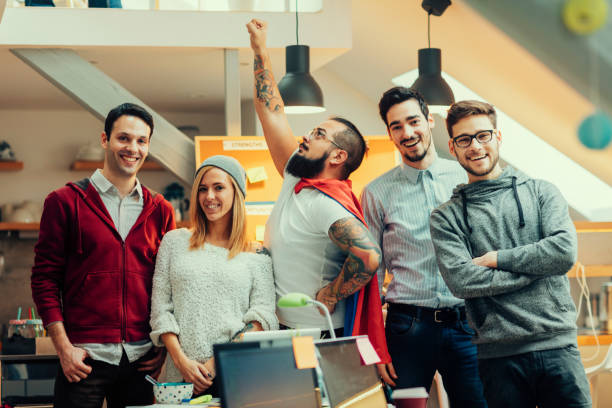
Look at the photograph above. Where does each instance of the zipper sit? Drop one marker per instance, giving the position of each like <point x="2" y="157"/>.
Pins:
<point x="124" y="295"/>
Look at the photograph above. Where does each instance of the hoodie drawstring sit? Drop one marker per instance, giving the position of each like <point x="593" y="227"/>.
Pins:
<point x="77" y="226"/>
<point x="465" y="214"/>
<point x="518" y="203"/>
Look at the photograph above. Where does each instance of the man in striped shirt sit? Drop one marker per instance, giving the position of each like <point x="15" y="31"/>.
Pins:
<point x="426" y="326"/>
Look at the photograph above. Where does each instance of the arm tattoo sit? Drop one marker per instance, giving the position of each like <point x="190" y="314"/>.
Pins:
<point x="238" y="336"/>
<point x="264" y="86"/>
<point x="353" y="237"/>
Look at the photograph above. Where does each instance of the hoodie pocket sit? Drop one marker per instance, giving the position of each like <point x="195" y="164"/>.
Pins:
<point x="97" y="303"/>
<point x="558" y="292"/>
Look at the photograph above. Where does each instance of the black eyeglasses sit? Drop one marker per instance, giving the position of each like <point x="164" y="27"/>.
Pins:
<point x="483" y="137"/>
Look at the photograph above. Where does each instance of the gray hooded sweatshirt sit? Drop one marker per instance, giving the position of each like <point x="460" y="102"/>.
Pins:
<point x="524" y="305"/>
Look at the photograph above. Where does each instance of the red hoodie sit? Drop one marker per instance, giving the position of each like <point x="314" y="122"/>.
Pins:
<point x="86" y="276"/>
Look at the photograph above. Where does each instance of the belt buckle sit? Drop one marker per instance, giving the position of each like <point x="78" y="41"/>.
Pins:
<point x="436" y="319"/>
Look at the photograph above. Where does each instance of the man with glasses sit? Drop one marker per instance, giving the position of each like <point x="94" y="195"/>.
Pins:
<point x="504" y="243"/>
<point x="315" y="234"/>
<point x="426" y="328"/>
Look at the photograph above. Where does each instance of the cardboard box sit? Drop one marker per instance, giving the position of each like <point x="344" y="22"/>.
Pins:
<point x="44" y="346"/>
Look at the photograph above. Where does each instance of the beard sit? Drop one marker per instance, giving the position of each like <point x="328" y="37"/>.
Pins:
<point x="466" y="166"/>
<point x="303" y="167"/>
<point x="418" y="157"/>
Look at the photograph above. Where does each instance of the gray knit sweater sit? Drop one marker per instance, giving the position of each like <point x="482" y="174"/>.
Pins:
<point x="523" y="305"/>
<point x="204" y="298"/>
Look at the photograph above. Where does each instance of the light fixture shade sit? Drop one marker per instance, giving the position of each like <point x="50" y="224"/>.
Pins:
<point x="294" y="299"/>
<point x="299" y="90"/>
<point x="430" y="83"/>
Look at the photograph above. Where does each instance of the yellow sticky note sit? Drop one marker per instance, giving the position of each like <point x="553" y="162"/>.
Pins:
<point x="260" y="231"/>
<point x="257" y="174"/>
<point x="304" y="352"/>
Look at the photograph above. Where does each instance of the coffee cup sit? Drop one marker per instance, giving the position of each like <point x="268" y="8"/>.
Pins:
<point x="410" y="397"/>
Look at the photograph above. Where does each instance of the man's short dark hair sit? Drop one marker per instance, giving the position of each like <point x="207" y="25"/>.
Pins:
<point x="129" y="109"/>
<point x="353" y="142"/>
<point x="397" y="95"/>
<point x="463" y="109"/>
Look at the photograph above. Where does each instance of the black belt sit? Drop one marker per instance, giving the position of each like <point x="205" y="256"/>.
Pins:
<point x="444" y="315"/>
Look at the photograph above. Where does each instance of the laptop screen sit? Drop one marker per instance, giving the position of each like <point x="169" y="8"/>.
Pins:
<point x="343" y="372"/>
<point x="250" y="376"/>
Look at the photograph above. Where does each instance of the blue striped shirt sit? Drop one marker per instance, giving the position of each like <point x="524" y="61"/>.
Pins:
<point x="397" y="206"/>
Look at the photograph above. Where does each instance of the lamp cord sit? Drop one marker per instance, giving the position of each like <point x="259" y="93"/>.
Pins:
<point x="428" y="30"/>
<point x="297" y="24"/>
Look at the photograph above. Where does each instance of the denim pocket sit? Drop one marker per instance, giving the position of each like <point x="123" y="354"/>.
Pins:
<point x="399" y="323"/>
<point x="465" y="327"/>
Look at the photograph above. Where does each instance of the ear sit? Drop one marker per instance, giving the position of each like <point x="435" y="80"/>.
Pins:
<point x="104" y="140"/>
<point x="451" y="147"/>
<point x="339" y="156"/>
<point x="389" y="133"/>
<point x="498" y="136"/>
<point x="431" y="121"/>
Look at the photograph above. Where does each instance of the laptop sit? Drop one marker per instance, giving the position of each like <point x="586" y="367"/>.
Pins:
<point x="348" y="383"/>
<point x="252" y="376"/>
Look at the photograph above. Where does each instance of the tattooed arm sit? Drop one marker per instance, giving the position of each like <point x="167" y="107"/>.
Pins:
<point x="268" y="102"/>
<point x="363" y="257"/>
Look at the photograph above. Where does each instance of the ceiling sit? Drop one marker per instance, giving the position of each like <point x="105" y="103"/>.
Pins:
<point x="515" y="54"/>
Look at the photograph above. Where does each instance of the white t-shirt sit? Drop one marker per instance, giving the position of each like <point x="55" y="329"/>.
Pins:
<point x="304" y="257"/>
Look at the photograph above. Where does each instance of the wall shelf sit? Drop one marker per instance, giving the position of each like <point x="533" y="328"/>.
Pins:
<point x="19" y="226"/>
<point x="589" y="340"/>
<point x="589" y="226"/>
<point x="11" y="165"/>
<point x="592" y="271"/>
<point x="80" y="165"/>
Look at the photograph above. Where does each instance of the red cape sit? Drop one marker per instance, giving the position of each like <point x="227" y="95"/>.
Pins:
<point x="368" y="317"/>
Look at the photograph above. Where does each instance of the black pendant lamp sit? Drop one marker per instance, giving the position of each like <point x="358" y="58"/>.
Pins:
<point x="430" y="83"/>
<point x="299" y="90"/>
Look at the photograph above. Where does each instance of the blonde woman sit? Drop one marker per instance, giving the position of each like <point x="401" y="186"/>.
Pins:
<point x="209" y="287"/>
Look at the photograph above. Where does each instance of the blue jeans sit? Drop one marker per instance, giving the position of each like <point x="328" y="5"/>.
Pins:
<point x="420" y="346"/>
<point x="548" y="379"/>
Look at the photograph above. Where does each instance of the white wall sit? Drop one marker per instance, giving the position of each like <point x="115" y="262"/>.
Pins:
<point x="341" y="99"/>
<point x="47" y="142"/>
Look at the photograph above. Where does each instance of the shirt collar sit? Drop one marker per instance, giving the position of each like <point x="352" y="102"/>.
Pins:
<point x="413" y="174"/>
<point x="103" y="185"/>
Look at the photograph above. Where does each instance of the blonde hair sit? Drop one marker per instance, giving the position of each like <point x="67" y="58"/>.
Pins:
<point x="237" y="240"/>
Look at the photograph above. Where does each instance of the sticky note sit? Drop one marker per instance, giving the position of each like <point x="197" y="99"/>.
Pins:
<point x="304" y="352"/>
<point x="260" y="231"/>
<point x="368" y="354"/>
<point x="257" y="174"/>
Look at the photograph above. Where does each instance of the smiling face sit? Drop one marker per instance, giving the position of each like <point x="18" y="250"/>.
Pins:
<point x="127" y="147"/>
<point x="216" y="196"/>
<point x="480" y="160"/>
<point x="410" y="131"/>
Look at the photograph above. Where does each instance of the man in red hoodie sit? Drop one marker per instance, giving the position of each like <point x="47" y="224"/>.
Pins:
<point x="93" y="271"/>
<point x="316" y="234"/>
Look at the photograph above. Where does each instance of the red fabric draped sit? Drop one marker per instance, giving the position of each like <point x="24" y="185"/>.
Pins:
<point x="368" y="317"/>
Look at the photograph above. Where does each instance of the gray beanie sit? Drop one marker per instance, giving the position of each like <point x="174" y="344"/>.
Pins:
<point x="231" y="166"/>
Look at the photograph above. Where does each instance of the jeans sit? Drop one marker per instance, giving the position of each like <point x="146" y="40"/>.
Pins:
<point x="548" y="379"/>
<point x="121" y="385"/>
<point x="419" y="347"/>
